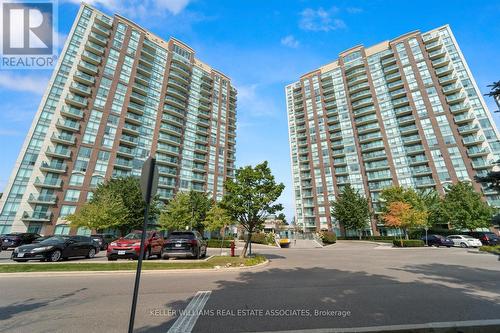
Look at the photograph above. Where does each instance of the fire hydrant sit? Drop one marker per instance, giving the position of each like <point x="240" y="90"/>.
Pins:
<point x="232" y="248"/>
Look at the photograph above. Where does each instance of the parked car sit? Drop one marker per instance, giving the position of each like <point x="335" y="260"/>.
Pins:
<point x="40" y="239"/>
<point x="438" y="240"/>
<point x="103" y="240"/>
<point x="56" y="248"/>
<point x="129" y="247"/>
<point x="16" y="239"/>
<point x="465" y="241"/>
<point x="486" y="237"/>
<point x="184" y="244"/>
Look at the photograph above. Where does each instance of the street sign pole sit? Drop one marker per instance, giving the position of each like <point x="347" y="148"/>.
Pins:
<point x="426" y="228"/>
<point x="149" y="181"/>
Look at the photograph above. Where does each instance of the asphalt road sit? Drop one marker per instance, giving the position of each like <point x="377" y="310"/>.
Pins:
<point x="345" y="285"/>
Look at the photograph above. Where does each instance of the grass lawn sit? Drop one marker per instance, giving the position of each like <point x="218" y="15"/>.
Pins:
<point x="492" y="249"/>
<point x="127" y="266"/>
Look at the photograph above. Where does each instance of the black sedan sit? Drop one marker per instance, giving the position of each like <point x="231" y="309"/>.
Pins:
<point x="56" y="248"/>
<point x="103" y="240"/>
<point x="438" y="240"/>
<point x="16" y="239"/>
<point x="184" y="244"/>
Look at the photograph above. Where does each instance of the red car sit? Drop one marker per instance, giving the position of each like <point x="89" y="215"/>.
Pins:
<point x="129" y="247"/>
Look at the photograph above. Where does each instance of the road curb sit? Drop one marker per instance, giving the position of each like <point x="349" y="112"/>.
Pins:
<point x="129" y="272"/>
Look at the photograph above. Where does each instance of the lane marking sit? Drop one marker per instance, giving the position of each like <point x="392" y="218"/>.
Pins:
<point x="188" y="317"/>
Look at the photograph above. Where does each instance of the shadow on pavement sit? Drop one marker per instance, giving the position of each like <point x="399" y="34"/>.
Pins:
<point x="285" y="299"/>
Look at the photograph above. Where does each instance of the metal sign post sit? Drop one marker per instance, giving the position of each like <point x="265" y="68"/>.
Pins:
<point x="149" y="184"/>
<point x="426" y="228"/>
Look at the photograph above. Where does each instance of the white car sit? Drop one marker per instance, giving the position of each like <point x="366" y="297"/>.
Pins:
<point x="465" y="241"/>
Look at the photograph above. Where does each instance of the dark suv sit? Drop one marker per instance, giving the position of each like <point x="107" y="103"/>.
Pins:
<point x="486" y="237"/>
<point x="16" y="239"/>
<point x="103" y="240"/>
<point x="184" y="244"/>
<point x="438" y="240"/>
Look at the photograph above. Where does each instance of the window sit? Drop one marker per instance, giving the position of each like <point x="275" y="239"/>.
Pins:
<point x="62" y="229"/>
<point x="76" y="179"/>
<point x="67" y="210"/>
<point x="72" y="195"/>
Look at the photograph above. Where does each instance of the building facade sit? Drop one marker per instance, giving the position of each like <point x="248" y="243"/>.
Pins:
<point x="118" y="95"/>
<point x="404" y="112"/>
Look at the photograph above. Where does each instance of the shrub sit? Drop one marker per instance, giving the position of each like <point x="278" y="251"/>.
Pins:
<point x="370" y="238"/>
<point x="492" y="249"/>
<point x="216" y="243"/>
<point x="328" y="237"/>
<point x="408" y="243"/>
<point x="419" y="233"/>
<point x="259" y="238"/>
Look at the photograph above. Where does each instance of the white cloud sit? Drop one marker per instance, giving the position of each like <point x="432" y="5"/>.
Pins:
<point x="320" y="20"/>
<point x="8" y="132"/>
<point x="290" y="41"/>
<point x="139" y="8"/>
<point x="255" y="104"/>
<point x="32" y="84"/>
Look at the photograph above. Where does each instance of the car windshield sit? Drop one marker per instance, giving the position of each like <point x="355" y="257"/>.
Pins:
<point x="181" y="235"/>
<point x="133" y="235"/>
<point x="55" y="239"/>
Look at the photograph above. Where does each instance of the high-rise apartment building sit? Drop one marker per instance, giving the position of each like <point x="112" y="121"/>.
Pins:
<point x="118" y="95"/>
<point x="403" y="112"/>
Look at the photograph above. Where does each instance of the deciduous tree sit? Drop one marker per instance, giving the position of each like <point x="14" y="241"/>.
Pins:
<point x="250" y="197"/>
<point x="351" y="210"/>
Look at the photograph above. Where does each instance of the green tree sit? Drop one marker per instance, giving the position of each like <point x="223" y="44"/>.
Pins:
<point x="120" y="191"/>
<point x="463" y="208"/>
<point x="282" y="217"/>
<point x="107" y="212"/>
<point x="186" y="210"/>
<point x="351" y="210"/>
<point x="431" y="200"/>
<point x="400" y="194"/>
<point x="217" y="218"/>
<point x="250" y="197"/>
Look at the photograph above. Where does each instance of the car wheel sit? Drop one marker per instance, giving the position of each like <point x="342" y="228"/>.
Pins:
<point x="147" y="254"/>
<point x="198" y="254"/>
<point x="463" y="245"/>
<point x="204" y="253"/>
<point x="55" y="256"/>
<point x="91" y="254"/>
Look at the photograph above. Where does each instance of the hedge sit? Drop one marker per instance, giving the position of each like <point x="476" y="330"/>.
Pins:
<point x="408" y="243"/>
<point x="328" y="237"/>
<point x="216" y="243"/>
<point x="370" y="238"/>
<point x="419" y="233"/>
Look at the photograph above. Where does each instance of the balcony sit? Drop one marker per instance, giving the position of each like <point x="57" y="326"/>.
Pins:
<point x="104" y="20"/>
<point x="372" y="146"/>
<point x="133" y="118"/>
<point x="443" y="71"/>
<point x="135" y="108"/>
<point x="452" y="88"/>
<point x="440" y="62"/>
<point x="80" y="89"/>
<point x="373" y="156"/>
<point x="397" y="93"/>
<point x="476" y="152"/>
<point x="481" y="164"/>
<point x="183" y="96"/>
<point x="94" y="48"/>
<point x="354" y="73"/>
<point x="448" y="79"/>
<point x="368" y="128"/>
<point x="362" y="103"/>
<point x="58" y="153"/>
<point x="433" y="46"/>
<point x="473" y="140"/>
<point x="48" y="183"/>
<point x="388" y="61"/>
<point x="468" y="129"/>
<point x="437" y="54"/>
<point x="63" y="139"/>
<point x="54" y="167"/>
<point x="131" y="129"/>
<point x="397" y="103"/>
<point x="126" y="151"/>
<point x="409" y="119"/>
<point x="358" y="87"/>
<point x="413" y="150"/>
<point x="129" y="140"/>
<point x="71" y="112"/>
<point x="408" y="140"/>
<point x="76" y="100"/>
<point x="36" y="216"/>
<point x="91" y="57"/>
<point x="87" y="68"/>
<point x="144" y="70"/>
<point x="370" y="137"/>
<point x="84" y="78"/>
<point x="408" y="129"/>
<point x="391" y="69"/>
<point x="360" y="95"/>
<point x="402" y="111"/>
<point x="464" y="118"/>
<point x="459" y="108"/>
<point x="176" y="102"/>
<point x="395" y="85"/>
<point x="100" y="29"/>
<point x="68" y="125"/>
<point x="122" y="163"/>
<point x="417" y="160"/>
<point x="425" y="182"/>
<point x="357" y="80"/>
<point x="98" y="39"/>
<point x="456" y="98"/>
<point x="140" y="88"/>
<point x="393" y="77"/>
<point x="137" y="98"/>
<point x="42" y="199"/>
<point x="366" y="119"/>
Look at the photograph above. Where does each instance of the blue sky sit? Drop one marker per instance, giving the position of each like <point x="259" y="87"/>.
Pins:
<point x="264" y="45"/>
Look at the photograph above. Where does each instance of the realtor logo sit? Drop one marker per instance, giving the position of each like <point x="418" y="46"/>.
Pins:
<point x="28" y="35"/>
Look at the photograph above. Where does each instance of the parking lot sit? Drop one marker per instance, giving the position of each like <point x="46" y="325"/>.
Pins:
<point x="374" y="285"/>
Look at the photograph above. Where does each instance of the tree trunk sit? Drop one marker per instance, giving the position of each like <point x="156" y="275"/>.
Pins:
<point x="360" y="233"/>
<point x="243" y="253"/>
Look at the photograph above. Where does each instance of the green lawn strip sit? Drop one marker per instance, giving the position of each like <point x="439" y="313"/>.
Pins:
<point x="492" y="249"/>
<point x="127" y="266"/>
